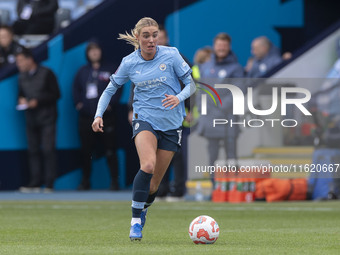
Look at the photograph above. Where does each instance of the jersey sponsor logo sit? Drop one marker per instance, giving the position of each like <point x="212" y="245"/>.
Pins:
<point x="162" y="67"/>
<point x="156" y="81"/>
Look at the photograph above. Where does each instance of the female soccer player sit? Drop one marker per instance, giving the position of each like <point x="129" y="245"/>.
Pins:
<point x="158" y="110"/>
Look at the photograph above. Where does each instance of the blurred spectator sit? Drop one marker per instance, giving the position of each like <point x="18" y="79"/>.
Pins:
<point x="38" y="95"/>
<point x="325" y="109"/>
<point x="222" y="65"/>
<point x="8" y="47"/>
<point x="35" y="16"/>
<point x="89" y="84"/>
<point x="266" y="56"/>
<point x="79" y="10"/>
<point x="5" y="16"/>
<point x="249" y="64"/>
<point x="177" y="190"/>
<point x="202" y="55"/>
<point x="287" y="55"/>
<point x="163" y="38"/>
<point x="325" y="106"/>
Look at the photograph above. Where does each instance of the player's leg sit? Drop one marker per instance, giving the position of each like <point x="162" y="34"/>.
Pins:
<point x="163" y="160"/>
<point x="146" y="145"/>
<point x="180" y="162"/>
<point x="169" y="143"/>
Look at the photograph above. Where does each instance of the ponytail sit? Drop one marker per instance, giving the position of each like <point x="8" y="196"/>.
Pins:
<point x="131" y="38"/>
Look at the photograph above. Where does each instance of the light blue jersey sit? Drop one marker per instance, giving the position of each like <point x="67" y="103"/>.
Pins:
<point x="153" y="79"/>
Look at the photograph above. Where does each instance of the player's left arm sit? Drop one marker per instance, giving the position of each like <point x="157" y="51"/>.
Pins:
<point x="183" y="72"/>
<point x="174" y="100"/>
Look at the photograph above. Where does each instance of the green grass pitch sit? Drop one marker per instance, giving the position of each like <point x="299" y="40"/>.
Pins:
<point x="55" y="227"/>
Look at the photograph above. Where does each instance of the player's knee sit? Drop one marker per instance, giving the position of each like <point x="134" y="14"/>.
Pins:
<point x="148" y="166"/>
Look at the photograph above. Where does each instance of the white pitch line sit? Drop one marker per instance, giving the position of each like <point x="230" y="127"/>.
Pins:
<point x="175" y="207"/>
<point x="240" y="208"/>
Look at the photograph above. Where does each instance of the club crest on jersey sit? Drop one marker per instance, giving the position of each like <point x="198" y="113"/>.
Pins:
<point x="162" y="67"/>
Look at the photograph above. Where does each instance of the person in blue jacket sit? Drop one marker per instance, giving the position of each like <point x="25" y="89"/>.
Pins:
<point x="265" y="57"/>
<point x="158" y="110"/>
<point x="88" y="85"/>
<point x="219" y="69"/>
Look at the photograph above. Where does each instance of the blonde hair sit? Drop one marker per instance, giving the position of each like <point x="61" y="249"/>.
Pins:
<point x="202" y="55"/>
<point x="131" y="38"/>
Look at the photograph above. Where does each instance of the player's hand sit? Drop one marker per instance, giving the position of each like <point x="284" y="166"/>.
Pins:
<point x="97" y="125"/>
<point x="170" y="100"/>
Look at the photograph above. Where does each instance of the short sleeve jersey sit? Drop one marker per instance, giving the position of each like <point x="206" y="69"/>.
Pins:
<point x="153" y="79"/>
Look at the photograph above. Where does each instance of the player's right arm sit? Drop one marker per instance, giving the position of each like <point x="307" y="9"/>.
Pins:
<point x="97" y="125"/>
<point x="103" y="102"/>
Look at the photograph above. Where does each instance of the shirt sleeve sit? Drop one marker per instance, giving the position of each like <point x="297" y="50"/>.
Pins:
<point x="105" y="98"/>
<point x="189" y="89"/>
<point x="180" y="66"/>
<point x="121" y="76"/>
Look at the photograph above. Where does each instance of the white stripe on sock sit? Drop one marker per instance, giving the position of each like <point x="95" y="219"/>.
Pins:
<point x="135" y="220"/>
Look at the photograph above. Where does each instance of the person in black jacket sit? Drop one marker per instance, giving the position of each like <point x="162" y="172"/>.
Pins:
<point x="8" y="47"/>
<point x="35" y="16"/>
<point x="89" y="83"/>
<point x="38" y="94"/>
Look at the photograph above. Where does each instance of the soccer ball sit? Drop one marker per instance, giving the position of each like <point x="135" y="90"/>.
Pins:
<point x="204" y="230"/>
